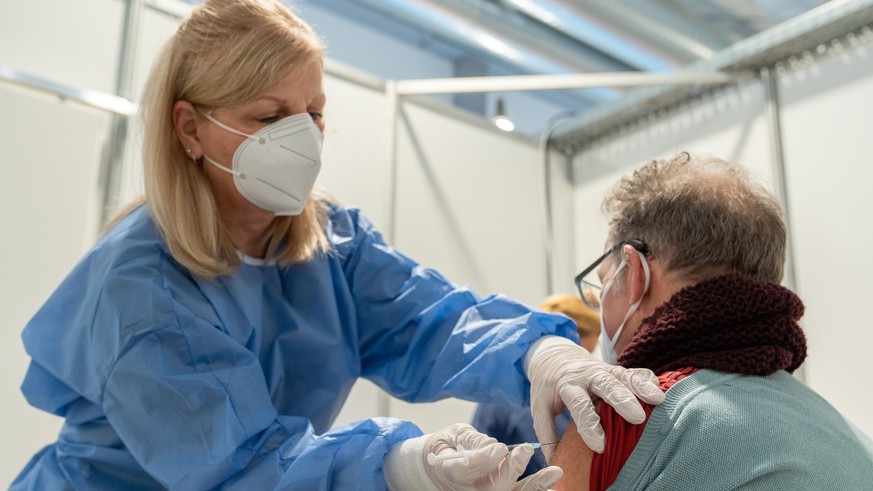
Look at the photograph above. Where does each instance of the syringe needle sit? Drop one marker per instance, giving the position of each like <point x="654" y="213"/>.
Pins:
<point x="535" y="445"/>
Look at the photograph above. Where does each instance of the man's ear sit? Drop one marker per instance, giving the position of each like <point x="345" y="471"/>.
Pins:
<point x="637" y="280"/>
<point x="185" y="123"/>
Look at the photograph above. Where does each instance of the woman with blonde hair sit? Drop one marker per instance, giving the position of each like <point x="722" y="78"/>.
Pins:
<point x="211" y="336"/>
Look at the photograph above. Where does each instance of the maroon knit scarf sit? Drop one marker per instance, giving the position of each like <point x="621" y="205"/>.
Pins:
<point x="730" y="323"/>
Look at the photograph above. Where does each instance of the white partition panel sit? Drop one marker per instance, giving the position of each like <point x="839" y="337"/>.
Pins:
<point x="72" y="43"/>
<point x="469" y="203"/>
<point x="50" y="158"/>
<point x="355" y="156"/>
<point x="468" y="206"/>
<point x="828" y="132"/>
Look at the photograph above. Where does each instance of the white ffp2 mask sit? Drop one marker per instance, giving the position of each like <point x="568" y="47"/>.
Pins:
<point x="276" y="167"/>
<point x="607" y="346"/>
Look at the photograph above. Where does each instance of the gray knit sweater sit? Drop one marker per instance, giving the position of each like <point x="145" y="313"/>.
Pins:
<point x="725" y="431"/>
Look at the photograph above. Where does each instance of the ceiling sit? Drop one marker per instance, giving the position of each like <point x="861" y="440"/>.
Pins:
<point x="514" y="37"/>
<point x="543" y="37"/>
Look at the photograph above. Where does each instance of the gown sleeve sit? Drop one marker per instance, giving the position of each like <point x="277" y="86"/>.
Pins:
<point x="423" y="338"/>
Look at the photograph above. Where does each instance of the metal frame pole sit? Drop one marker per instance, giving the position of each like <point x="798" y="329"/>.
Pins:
<point x="111" y="167"/>
<point x="383" y="400"/>
<point x="460" y="85"/>
<point x="780" y="186"/>
<point x="90" y="98"/>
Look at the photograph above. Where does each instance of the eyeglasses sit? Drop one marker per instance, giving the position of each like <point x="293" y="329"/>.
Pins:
<point x="588" y="281"/>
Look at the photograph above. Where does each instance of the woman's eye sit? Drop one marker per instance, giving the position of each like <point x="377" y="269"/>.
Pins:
<point x="269" y="119"/>
<point x="316" y="116"/>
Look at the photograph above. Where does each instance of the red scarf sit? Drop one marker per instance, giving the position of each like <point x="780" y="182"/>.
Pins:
<point x="730" y="323"/>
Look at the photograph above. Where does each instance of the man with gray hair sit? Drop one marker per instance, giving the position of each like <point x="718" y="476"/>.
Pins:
<point x="689" y="288"/>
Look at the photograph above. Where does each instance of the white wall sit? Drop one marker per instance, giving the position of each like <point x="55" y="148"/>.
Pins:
<point x="468" y="206"/>
<point x="75" y="43"/>
<point x="827" y="118"/>
<point x="828" y="131"/>
<point x="49" y="200"/>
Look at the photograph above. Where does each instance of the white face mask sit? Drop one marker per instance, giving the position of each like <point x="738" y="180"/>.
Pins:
<point x="607" y="345"/>
<point x="276" y="168"/>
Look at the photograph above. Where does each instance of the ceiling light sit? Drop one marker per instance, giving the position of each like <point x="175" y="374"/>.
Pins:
<point x="500" y="120"/>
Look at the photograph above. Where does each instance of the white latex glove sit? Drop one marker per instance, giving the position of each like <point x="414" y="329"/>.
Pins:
<point x="562" y="373"/>
<point x="491" y="467"/>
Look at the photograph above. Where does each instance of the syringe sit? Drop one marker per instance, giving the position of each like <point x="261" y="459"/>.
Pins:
<point x="463" y="453"/>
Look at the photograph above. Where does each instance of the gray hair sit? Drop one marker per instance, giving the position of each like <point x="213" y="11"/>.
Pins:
<point x="701" y="217"/>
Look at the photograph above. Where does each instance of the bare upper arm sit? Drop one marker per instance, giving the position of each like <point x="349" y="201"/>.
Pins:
<point x="574" y="458"/>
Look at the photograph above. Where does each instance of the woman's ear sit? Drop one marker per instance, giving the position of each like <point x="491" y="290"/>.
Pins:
<point x="637" y="285"/>
<point x="185" y="122"/>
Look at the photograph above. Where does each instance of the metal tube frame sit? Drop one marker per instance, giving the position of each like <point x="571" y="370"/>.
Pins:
<point x="777" y="158"/>
<point x="558" y="82"/>
<point x="111" y="167"/>
<point x="383" y="400"/>
<point x="780" y="185"/>
<point x="90" y="98"/>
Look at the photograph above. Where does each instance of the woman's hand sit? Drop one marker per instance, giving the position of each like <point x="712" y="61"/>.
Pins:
<point x="561" y="374"/>
<point x="489" y="466"/>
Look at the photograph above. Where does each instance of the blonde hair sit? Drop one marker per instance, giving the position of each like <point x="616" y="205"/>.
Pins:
<point x="587" y="320"/>
<point x="226" y="52"/>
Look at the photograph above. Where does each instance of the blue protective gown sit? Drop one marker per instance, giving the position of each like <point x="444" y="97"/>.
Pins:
<point x="167" y="380"/>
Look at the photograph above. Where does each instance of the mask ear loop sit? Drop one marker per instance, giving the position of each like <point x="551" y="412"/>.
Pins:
<point x="234" y="131"/>
<point x="225" y="169"/>
<point x="633" y="307"/>
<point x="228" y="128"/>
